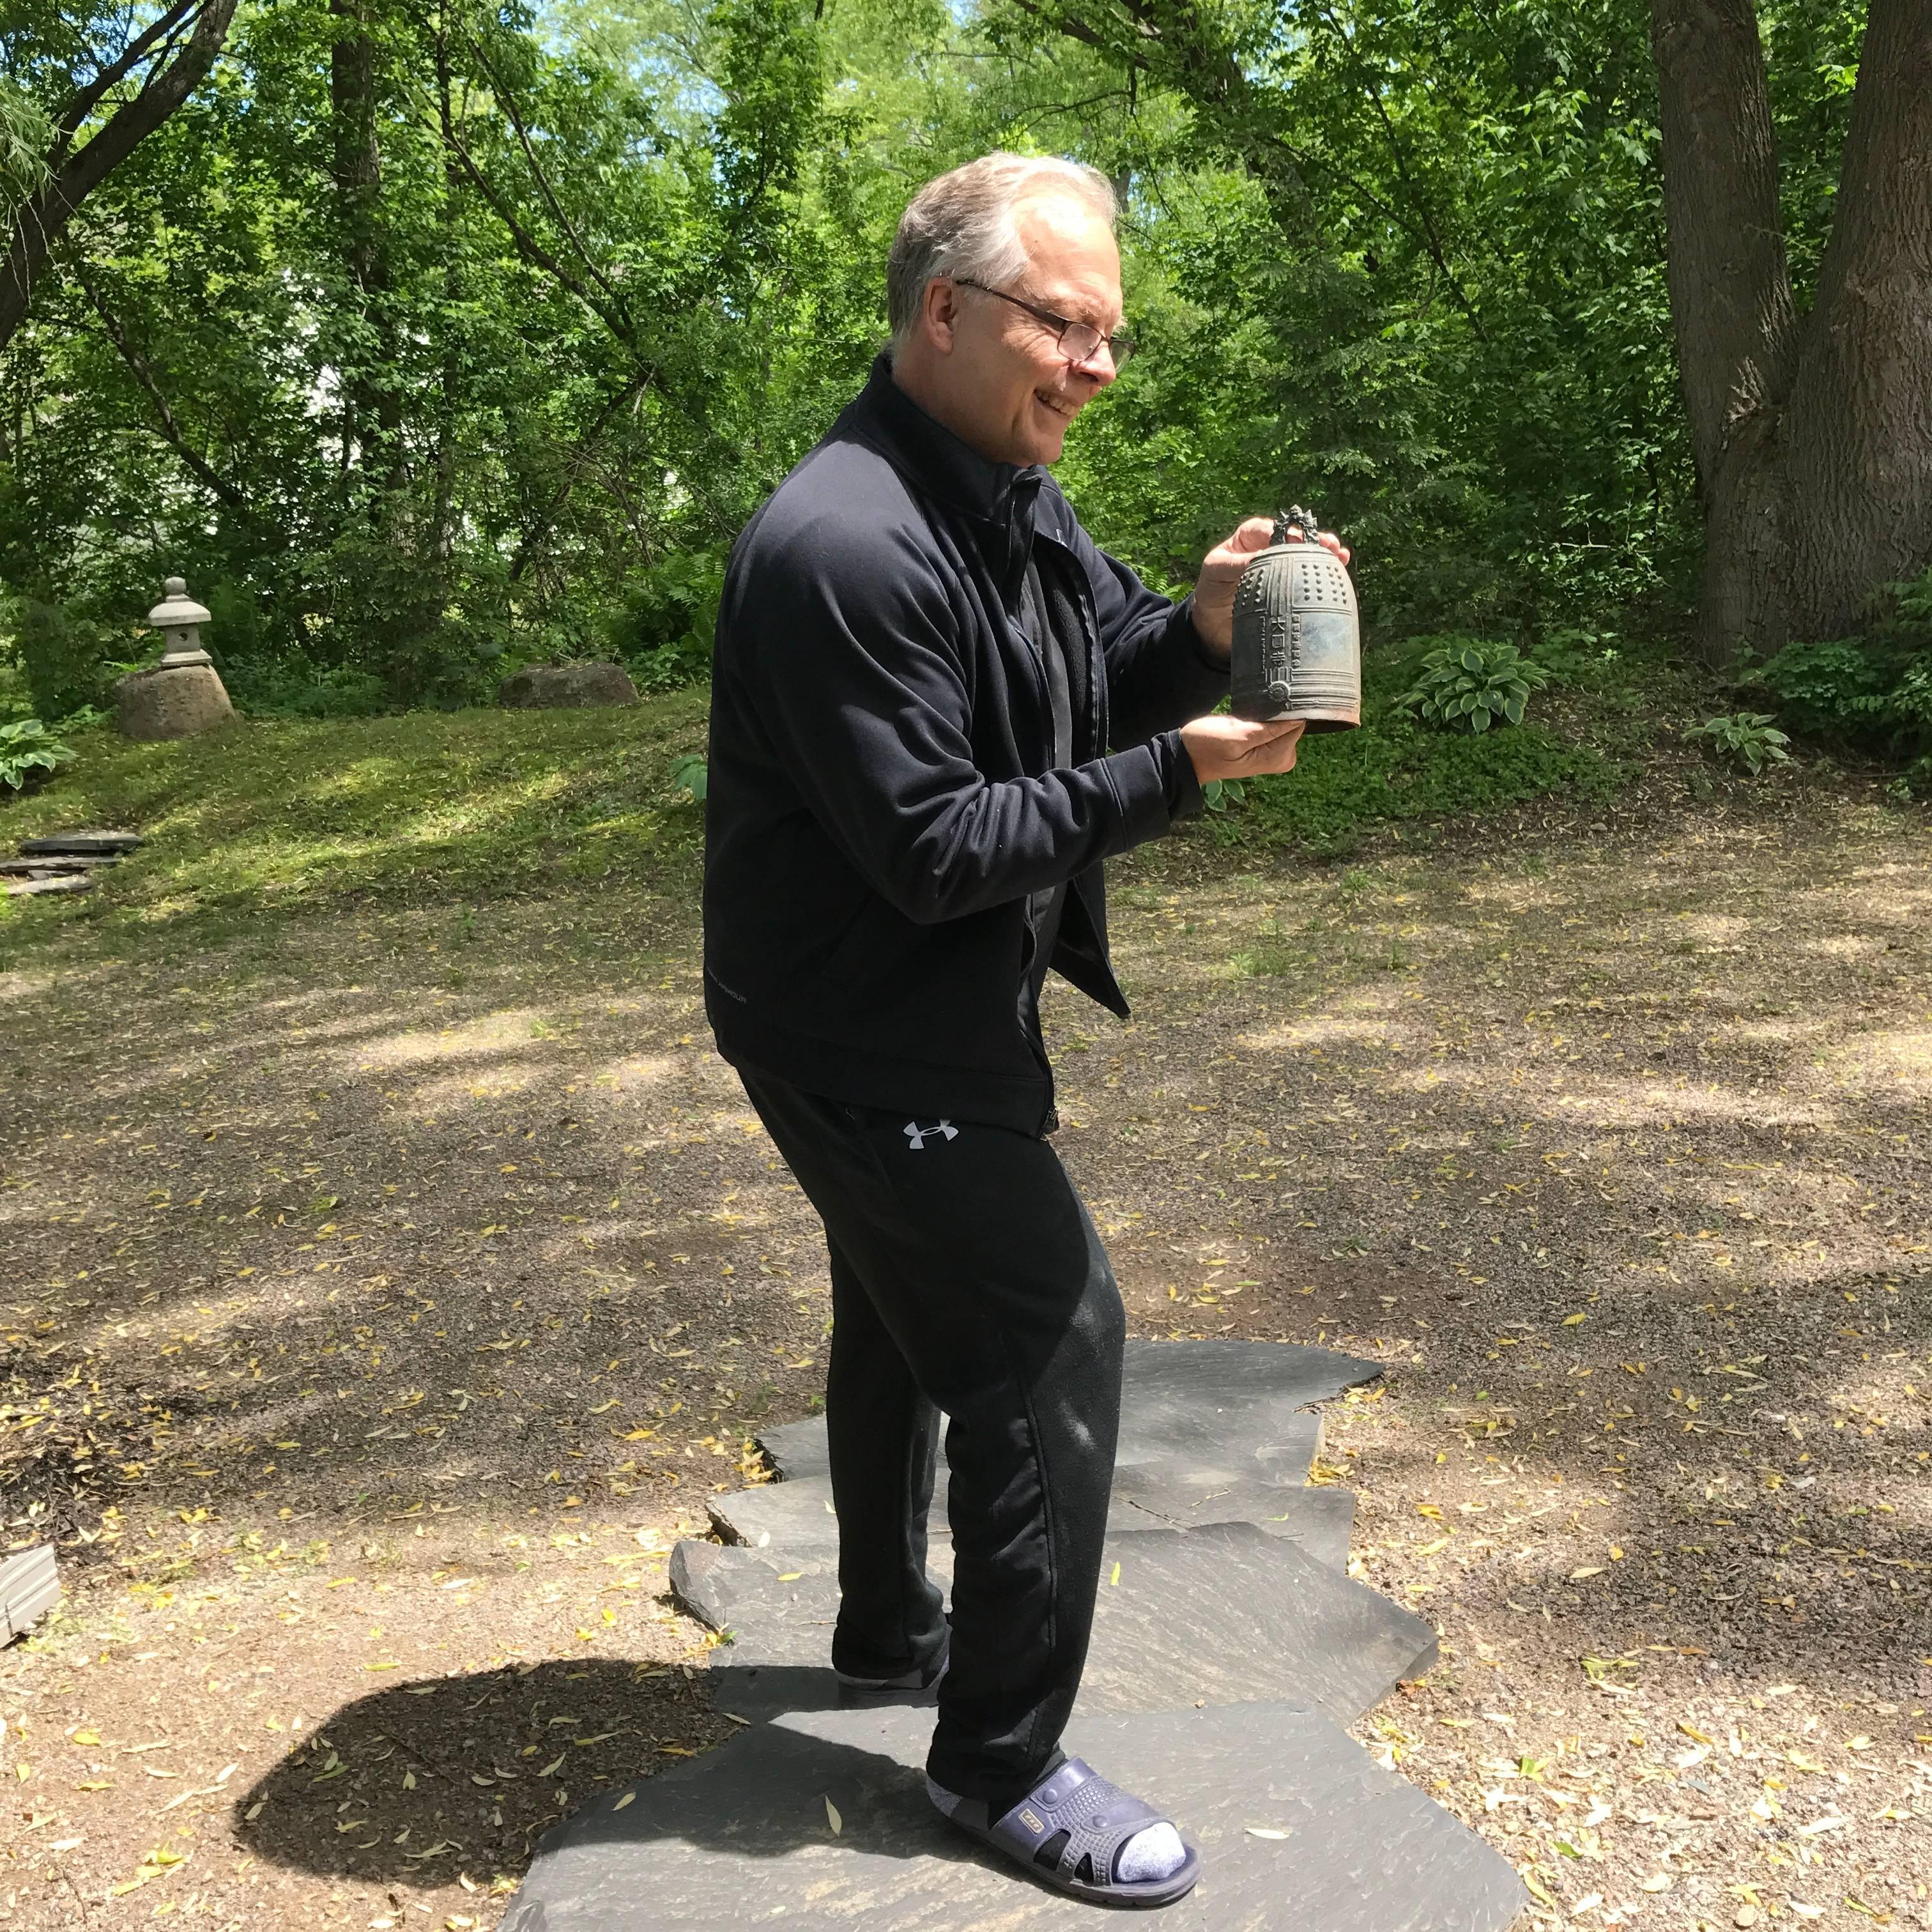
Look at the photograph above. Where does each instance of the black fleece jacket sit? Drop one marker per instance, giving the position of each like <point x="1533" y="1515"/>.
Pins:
<point x="883" y="801"/>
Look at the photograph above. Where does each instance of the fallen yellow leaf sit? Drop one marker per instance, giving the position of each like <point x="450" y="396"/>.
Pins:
<point x="832" y="1818"/>
<point x="1541" y="1891"/>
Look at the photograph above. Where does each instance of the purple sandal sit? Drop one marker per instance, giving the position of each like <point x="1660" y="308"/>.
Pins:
<point x="1069" y="1830"/>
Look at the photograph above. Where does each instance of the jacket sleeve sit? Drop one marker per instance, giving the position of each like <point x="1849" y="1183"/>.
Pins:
<point x="1160" y="674"/>
<point x="851" y="656"/>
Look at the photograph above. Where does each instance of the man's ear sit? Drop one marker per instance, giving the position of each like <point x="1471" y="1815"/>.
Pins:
<point x="939" y="313"/>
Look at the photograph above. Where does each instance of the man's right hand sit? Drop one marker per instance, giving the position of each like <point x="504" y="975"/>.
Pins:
<point x="1239" y="748"/>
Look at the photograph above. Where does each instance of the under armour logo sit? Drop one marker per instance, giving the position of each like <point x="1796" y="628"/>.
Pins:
<point x="919" y="1135"/>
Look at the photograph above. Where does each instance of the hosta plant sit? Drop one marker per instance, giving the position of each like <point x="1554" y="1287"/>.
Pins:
<point x="26" y="745"/>
<point x="1468" y="685"/>
<point x="1746" y="738"/>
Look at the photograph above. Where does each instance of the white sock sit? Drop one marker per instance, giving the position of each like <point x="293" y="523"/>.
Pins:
<point x="1156" y="1853"/>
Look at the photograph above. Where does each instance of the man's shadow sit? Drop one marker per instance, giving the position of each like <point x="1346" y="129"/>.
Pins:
<point x="418" y="1782"/>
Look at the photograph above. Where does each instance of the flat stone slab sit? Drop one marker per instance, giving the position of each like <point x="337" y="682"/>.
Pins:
<point x="1219" y="1615"/>
<point x="29" y="1588"/>
<point x="795" y="1519"/>
<point x="47" y="868"/>
<point x="59" y="882"/>
<point x="744" y="1837"/>
<point x="1206" y="1405"/>
<point x="80" y="845"/>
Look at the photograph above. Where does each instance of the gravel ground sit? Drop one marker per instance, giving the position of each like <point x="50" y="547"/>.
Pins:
<point x="381" y="1295"/>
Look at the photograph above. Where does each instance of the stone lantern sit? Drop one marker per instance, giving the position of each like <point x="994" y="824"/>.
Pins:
<point x="183" y="695"/>
<point x="179" y="618"/>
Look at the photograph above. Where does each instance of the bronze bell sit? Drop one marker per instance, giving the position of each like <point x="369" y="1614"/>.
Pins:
<point x="1298" y="637"/>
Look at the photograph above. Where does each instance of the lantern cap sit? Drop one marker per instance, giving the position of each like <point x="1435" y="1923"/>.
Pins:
<point x="177" y="610"/>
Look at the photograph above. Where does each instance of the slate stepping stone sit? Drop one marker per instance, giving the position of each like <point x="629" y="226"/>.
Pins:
<point x="42" y="868"/>
<point x="80" y="845"/>
<point x="795" y="1519"/>
<point x="744" y="1837"/>
<point x="1215" y="1405"/>
<point x="1318" y="1519"/>
<point x="1219" y="1615"/>
<point x="1207" y="1404"/>
<point x="60" y="882"/>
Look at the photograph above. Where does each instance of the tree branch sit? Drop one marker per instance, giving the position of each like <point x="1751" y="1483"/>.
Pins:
<point x="171" y="428"/>
<point x="508" y="101"/>
<point x="527" y="245"/>
<point x="40" y="221"/>
<point x="579" y="455"/>
<point x="83" y="101"/>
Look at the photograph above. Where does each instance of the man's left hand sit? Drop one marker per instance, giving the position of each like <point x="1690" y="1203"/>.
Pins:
<point x="1213" y="610"/>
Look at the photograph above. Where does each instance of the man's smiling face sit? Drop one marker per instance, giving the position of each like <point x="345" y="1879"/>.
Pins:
<point x="1010" y="391"/>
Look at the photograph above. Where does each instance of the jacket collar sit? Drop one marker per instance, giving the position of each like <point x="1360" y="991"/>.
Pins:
<point x="936" y="462"/>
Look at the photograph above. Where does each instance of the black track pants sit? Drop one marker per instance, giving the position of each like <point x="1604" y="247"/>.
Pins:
<point x="967" y="1275"/>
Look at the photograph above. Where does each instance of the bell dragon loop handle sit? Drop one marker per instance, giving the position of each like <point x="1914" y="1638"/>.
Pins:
<point x="1294" y="517"/>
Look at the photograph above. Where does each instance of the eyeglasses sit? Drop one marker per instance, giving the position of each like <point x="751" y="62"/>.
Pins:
<point x="1079" y="341"/>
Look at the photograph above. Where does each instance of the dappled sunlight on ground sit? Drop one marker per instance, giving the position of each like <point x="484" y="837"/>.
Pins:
<point x="384" y="1286"/>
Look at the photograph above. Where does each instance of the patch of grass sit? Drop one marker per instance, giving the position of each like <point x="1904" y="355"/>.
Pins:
<point x="1391" y="768"/>
<point x="281" y="814"/>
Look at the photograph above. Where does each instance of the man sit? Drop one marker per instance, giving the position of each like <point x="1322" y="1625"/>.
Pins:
<point x="937" y="708"/>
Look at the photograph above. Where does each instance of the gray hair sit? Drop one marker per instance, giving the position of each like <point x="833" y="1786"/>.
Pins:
<point x="962" y="224"/>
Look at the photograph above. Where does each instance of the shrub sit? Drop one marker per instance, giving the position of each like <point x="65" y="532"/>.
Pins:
<point x="27" y="746"/>
<point x="1745" y="739"/>
<point x="1467" y="684"/>
<point x="1873" y="692"/>
<point x="296" y="688"/>
<point x="65" y="658"/>
<point x="663" y="629"/>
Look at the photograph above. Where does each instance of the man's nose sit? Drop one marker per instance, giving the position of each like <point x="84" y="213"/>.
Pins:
<point x="1098" y="366"/>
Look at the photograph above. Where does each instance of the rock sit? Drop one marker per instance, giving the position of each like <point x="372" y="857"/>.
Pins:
<point x="820" y="1820"/>
<point x="1220" y="1615"/>
<point x="176" y="702"/>
<point x="29" y="1588"/>
<point x="1212" y="1406"/>
<point x="572" y="686"/>
<point x="795" y="1519"/>
<point x="80" y="845"/>
<point x="1215" y="1405"/>
<point x="49" y="868"/>
<point x="55" y="882"/>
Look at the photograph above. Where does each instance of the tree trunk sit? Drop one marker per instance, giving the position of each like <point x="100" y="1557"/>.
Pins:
<point x="1731" y="305"/>
<point x="1812" y="436"/>
<point x="1859" y="475"/>
<point x="74" y="173"/>
<point x="372" y="412"/>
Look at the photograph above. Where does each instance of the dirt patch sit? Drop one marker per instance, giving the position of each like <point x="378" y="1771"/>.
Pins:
<point x="382" y="1293"/>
